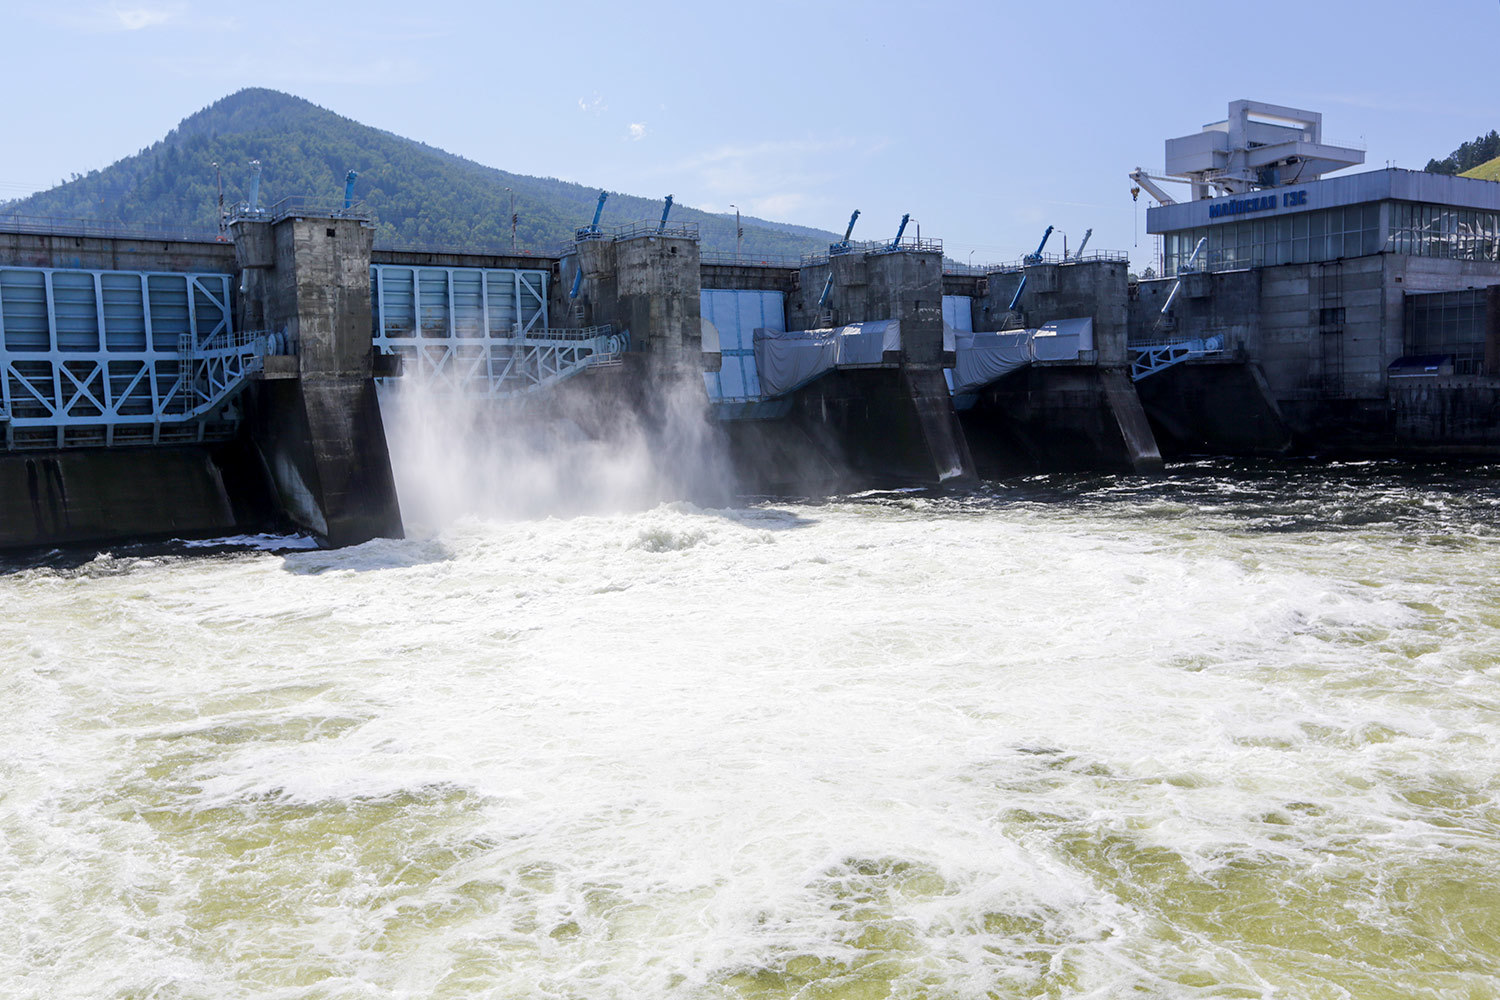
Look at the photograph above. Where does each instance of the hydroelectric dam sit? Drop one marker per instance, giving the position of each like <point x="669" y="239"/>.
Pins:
<point x="156" y="385"/>
<point x="178" y="387"/>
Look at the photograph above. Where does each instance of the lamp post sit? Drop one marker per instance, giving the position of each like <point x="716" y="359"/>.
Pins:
<point x="971" y="260"/>
<point x="739" y="233"/>
<point x="512" y="220"/>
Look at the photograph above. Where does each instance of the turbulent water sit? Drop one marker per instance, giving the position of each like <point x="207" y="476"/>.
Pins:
<point x="1228" y="734"/>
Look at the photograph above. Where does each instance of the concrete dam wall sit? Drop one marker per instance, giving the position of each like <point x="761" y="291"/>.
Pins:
<point x="160" y="388"/>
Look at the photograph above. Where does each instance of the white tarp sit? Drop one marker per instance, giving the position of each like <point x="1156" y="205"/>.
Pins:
<point x="958" y="312"/>
<point x="1063" y="339"/>
<point x="984" y="357"/>
<point x="789" y="359"/>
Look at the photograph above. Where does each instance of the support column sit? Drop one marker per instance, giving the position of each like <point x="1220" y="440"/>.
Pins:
<point x="658" y="299"/>
<point x="892" y="424"/>
<point x="318" y="426"/>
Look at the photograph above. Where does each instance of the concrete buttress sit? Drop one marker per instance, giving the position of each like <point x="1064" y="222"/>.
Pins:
<point x="319" y="430"/>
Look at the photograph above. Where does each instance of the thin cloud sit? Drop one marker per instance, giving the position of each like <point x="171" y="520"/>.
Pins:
<point x="593" y="107"/>
<point x="637" y="131"/>
<point x="116" y="17"/>
<point x="778" y="148"/>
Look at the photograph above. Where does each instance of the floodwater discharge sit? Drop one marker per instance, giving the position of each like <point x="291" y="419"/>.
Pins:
<point x="1230" y="733"/>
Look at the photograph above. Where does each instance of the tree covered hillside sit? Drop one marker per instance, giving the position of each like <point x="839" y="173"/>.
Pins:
<point x="419" y="194"/>
<point x="1468" y="156"/>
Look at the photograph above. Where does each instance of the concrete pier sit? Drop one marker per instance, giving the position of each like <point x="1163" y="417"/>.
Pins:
<point x="316" y="422"/>
<point x="1063" y="415"/>
<point x="896" y="421"/>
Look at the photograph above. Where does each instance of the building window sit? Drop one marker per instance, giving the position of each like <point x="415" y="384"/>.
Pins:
<point x="1447" y="324"/>
<point x="1332" y="233"/>
<point x="1441" y="231"/>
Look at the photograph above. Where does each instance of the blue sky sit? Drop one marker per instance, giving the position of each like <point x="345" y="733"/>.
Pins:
<point x="985" y="121"/>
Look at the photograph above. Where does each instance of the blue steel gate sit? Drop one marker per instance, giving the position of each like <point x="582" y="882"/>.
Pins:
<point x="102" y="358"/>
<point x="479" y="331"/>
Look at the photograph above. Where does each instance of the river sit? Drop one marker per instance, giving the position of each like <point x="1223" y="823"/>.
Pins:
<point x="1228" y="733"/>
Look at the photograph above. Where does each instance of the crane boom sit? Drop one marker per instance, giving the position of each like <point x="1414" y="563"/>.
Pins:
<point x="899" y="230"/>
<point x="598" y="211"/>
<point x="1148" y="182"/>
<point x="1184" y="269"/>
<point x="1078" y="254"/>
<point x="849" y="230"/>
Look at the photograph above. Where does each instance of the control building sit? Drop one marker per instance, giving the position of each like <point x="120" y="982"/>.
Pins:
<point x="1362" y="302"/>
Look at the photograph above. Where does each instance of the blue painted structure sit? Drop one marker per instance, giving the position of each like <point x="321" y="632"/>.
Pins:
<point x="592" y="231"/>
<point x="1031" y="258"/>
<point x="100" y="358"/>
<point x="479" y="331"/>
<point x="734" y="391"/>
<point x="1151" y="358"/>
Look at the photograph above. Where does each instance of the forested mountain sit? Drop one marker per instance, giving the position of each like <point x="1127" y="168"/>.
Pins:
<point x="418" y="194"/>
<point x="1468" y="156"/>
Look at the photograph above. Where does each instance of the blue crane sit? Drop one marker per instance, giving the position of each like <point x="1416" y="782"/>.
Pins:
<point x="349" y="189"/>
<point x="1036" y="258"/>
<point x="666" y="211"/>
<point x="1028" y="260"/>
<point x="592" y="232"/>
<point x="902" y="228"/>
<point x="843" y="246"/>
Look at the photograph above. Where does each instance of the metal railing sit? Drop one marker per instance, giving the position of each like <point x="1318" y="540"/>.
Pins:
<point x="128" y="397"/>
<point x="574" y="333"/>
<point x="909" y="244"/>
<point x="502" y="368"/>
<point x="301" y="206"/>
<point x="976" y="270"/>
<point x="474" y="249"/>
<point x="635" y="230"/>
<point x="785" y="260"/>
<point x="1360" y="144"/>
<point x="841" y="249"/>
<point x="1113" y="256"/>
<point x="94" y="227"/>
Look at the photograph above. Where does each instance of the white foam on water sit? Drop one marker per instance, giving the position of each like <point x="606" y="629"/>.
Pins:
<point x="884" y="747"/>
<point x="262" y="541"/>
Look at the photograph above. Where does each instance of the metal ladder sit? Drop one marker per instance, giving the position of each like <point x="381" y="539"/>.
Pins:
<point x="1331" y="326"/>
<point x="187" y="371"/>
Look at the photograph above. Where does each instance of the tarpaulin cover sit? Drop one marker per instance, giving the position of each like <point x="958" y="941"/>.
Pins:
<point x="985" y="357"/>
<point x="1062" y="339"/>
<point x="789" y="359"/>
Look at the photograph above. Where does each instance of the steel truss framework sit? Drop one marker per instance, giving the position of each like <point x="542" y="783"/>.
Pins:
<point x="1148" y="359"/>
<point x="102" y="358"/>
<point x="479" y="332"/>
<point x="503" y="368"/>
